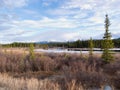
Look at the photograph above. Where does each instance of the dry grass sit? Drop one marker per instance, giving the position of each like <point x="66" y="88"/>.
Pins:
<point x="10" y="83"/>
<point x="15" y="50"/>
<point x="66" y="70"/>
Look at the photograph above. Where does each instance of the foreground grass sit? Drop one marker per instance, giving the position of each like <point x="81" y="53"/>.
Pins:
<point x="57" y="72"/>
<point x="10" y="83"/>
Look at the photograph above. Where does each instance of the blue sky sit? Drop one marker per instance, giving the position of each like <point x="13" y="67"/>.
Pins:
<point x="56" y="20"/>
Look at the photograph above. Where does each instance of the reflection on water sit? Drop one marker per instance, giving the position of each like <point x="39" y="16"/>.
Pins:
<point x="62" y="51"/>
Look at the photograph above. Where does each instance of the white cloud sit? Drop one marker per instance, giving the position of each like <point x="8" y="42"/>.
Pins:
<point x="28" y="28"/>
<point x="74" y="19"/>
<point x="98" y="9"/>
<point x="48" y="2"/>
<point x="14" y="3"/>
<point x="82" y="4"/>
<point x="47" y="23"/>
<point x="69" y="36"/>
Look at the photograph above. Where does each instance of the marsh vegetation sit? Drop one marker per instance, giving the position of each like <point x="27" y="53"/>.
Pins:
<point x="50" y="71"/>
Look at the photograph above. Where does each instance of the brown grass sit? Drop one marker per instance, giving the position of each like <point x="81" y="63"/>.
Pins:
<point x="64" y="71"/>
<point x="10" y="83"/>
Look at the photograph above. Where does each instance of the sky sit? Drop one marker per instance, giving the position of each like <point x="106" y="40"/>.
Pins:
<point x="57" y="20"/>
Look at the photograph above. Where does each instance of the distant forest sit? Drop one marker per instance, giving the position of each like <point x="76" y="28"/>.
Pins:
<point x="72" y="44"/>
<point x="82" y="44"/>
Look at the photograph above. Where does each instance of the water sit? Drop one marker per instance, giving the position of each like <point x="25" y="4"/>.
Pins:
<point x="57" y="50"/>
<point x="62" y="51"/>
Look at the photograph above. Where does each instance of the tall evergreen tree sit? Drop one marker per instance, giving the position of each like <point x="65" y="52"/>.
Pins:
<point x="107" y="43"/>
<point x="77" y="44"/>
<point x="31" y="51"/>
<point x="91" y="45"/>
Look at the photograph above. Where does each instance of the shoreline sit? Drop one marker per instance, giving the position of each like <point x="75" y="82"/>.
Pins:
<point x="26" y="51"/>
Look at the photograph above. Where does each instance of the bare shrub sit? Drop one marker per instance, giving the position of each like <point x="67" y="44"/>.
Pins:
<point x="75" y="70"/>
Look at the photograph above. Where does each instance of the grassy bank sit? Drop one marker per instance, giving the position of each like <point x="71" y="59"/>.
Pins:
<point x="57" y="71"/>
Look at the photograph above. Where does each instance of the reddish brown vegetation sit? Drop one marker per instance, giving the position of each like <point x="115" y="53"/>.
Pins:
<point x="63" y="68"/>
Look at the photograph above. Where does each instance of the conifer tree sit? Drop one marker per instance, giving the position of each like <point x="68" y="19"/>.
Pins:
<point x="107" y="43"/>
<point x="91" y="45"/>
<point x="31" y="51"/>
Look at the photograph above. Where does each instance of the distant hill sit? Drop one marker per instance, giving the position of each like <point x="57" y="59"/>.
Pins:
<point x="42" y="42"/>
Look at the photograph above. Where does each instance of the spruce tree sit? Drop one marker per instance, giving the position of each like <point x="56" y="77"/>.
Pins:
<point x="91" y="45"/>
<point x="107" y="43"/>
<point x="31" y="51"/>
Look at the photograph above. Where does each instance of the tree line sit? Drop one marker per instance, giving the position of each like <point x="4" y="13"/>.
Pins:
<point x="81" y="44"/>
<point x="69" y="44"/>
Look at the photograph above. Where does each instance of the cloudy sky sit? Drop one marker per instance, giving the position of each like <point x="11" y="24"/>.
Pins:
<point x="56" y="20"/>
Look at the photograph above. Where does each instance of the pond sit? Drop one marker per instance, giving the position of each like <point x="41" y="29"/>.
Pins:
<point x="62" y="51"/>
